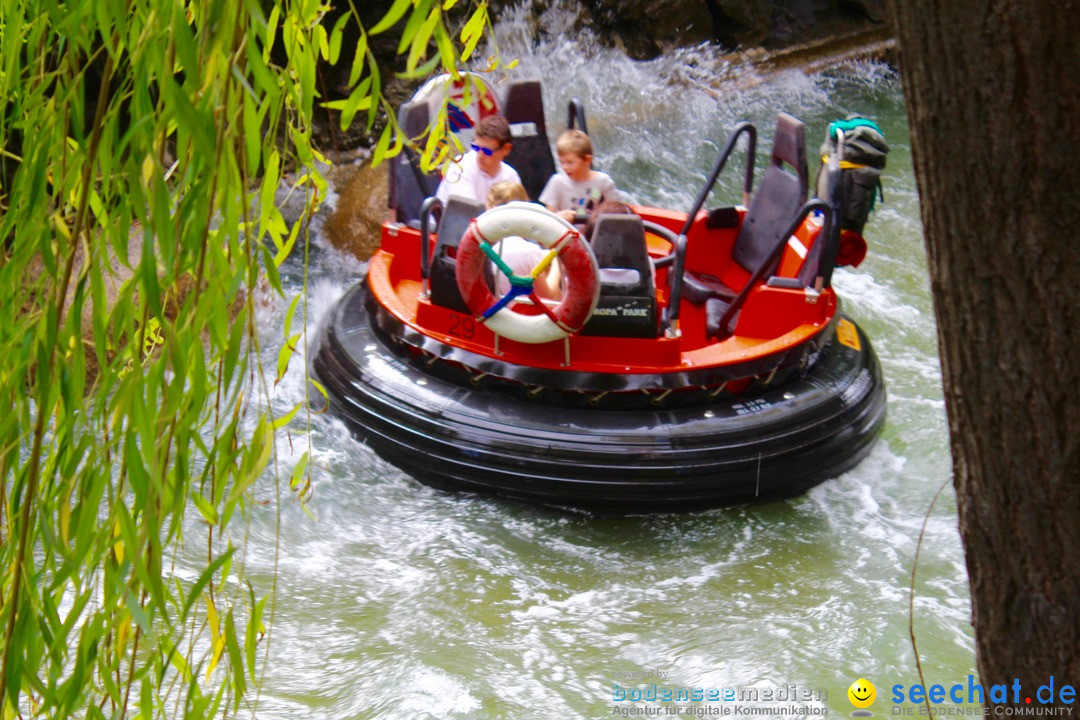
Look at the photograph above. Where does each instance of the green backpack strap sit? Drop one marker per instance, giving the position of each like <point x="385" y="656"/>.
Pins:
<point x="850" y="124"/>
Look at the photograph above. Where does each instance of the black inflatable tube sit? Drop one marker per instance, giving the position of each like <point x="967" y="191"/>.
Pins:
<point x="769" y="444"/>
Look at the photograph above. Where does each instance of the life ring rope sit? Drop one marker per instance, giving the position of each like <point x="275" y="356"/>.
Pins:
<point x="561" y="241"/>
<point x="522" y="285"/>
<point x="545" y="262"/>
<point x="551" y="315"/>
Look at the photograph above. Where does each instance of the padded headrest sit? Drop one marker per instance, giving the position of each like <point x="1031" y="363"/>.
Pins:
<point x="457" y="214"/>
<point x="619" y="241"/>
<point x="530" y="153"/>
<point x="789" y="146"/>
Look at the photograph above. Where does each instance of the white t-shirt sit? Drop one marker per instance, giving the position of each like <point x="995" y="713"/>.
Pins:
<point x="463" y="177"/>
<point x="563" y="193"/>
<point x="521" y="256"/>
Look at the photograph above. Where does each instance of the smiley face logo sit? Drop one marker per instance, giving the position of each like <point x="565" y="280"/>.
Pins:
<point x="862" y="694"/>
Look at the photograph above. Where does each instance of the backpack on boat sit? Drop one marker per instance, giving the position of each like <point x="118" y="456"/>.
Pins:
<point x="862" y="158"/>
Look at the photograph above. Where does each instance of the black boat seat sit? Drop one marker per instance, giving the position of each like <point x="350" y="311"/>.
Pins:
<point x="816" y="266"/>
<point x="627" y="304"/>
<point x="530" y="153"/>
<point x="409" y="185"/>
<point x="699" y="287"/>
<point x="715" y="307"/>
<point x="457" y="214"/>
<point x="623" y="279"/>
<point x="771" y="210"/>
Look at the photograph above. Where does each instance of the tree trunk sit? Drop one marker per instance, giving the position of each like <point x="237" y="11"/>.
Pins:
<point x="992" y="99"/>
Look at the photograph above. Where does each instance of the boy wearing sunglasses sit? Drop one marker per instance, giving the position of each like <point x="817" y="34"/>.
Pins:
<point x="472" y="175"/>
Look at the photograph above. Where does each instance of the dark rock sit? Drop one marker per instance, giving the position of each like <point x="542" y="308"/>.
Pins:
<point x="647" y="28"/>
<point x="741" y="23"/>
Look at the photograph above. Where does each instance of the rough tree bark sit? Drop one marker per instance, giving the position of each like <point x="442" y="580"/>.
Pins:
<point x="992" y="98"/>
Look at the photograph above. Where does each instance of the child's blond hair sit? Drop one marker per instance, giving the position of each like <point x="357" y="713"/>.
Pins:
<point x="504" y="192"/>
<point x="574" y="142"/>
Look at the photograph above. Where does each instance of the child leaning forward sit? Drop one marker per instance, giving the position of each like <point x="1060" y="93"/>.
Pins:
<point x="519" y="254"/>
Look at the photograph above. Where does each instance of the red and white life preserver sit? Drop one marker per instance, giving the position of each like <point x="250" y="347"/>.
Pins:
<point x="469" y="99"/>
<point x="528" y="220"/>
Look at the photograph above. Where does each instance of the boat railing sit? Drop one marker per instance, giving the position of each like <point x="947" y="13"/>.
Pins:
<point x="575" y="116"/>
<point x="758" y="276"/>
<point x="671" y="312"/>
<point x="670" y="321"/>
<point x="429" y="206"/>
<point x="660" y="231"/>
<point x="718" y="167"/>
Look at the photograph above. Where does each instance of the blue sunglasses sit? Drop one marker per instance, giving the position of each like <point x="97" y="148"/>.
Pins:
<point x="481" y="149"/>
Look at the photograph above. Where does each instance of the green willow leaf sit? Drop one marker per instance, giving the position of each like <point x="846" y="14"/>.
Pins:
<point x="252" y="634"/>
<point x="298" y="471"/>
<point x="395" y="13"/>
<point x="287" y="323"/>
<point x="271" y="32"/>
<point x="284" y="355"/>
<point x="412" y="25"/>
<point x="473" y="31"/>
<point x="359" y="99"/>
<point x="446" y="48"/>
<point x="152" y="138"/>
<point x="196" y="590"/>
<point x="422" y="71"/>
<point x="236" y="659"/>
<point x="360" y="57"/>
<point x="336" y="35"/>
<point x="382" y="147"/>
<point x="423" y="36"/>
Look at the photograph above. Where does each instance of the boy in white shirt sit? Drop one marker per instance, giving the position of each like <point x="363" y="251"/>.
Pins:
<point x="472" y="175"/>
<point x="578" y="189"/>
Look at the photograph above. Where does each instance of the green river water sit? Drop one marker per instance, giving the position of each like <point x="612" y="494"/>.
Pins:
<point x="398" y="601"/>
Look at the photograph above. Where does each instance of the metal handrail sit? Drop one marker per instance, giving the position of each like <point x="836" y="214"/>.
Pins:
<point x="748" y="181"/>
<point x="429" y="205"/>
<point x="666" y="234"/>
<point x="575" y="116"/>
<point x="675" y="280"/>
<point x="809" y="207"/>
<point x="671" y="313"/>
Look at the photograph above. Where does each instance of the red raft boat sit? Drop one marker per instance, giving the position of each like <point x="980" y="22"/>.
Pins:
<point x="695" y="359"/>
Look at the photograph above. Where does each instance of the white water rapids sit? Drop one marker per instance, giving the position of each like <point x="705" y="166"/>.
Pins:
<point x="398" y="601"/>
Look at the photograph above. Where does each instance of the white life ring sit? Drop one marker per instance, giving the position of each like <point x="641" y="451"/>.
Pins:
<point x="534" y="222"/>
<point x="469" y="99"/>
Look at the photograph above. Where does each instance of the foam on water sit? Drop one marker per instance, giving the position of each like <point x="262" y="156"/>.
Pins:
<point x="399" y="601"/>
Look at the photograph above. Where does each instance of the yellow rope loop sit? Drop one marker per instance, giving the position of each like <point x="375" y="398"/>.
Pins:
<point x="544" y="264"/>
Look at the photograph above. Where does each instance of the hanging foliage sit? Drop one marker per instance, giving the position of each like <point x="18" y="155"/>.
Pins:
<point x="141" y="145"/>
